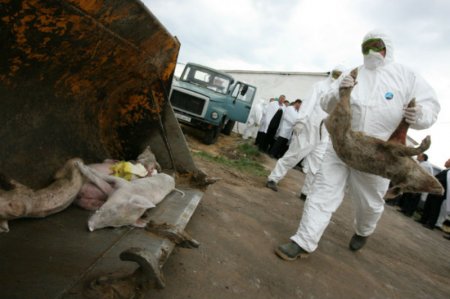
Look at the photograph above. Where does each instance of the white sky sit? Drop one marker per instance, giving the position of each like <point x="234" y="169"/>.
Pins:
<point x="315" y="35"/>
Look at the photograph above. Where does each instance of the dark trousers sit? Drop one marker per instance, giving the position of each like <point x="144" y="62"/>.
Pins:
<point x="259" y="138"/>
<point x="269" y="139"/>
<point x="431" y="210"/>
<point x="279" y="147"/>
<point x="409" y="203"/>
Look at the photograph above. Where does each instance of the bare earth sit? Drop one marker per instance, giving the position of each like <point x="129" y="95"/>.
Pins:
<point x="239" y="223"/>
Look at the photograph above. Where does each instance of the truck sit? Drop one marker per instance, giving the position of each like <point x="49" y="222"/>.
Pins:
<point x="88" y="79"/>
<point x="210" y="100"/>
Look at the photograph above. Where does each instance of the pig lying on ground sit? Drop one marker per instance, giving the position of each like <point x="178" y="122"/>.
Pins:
<point x="390" y="159"/>
<point x="19" y="201"/>
<point x="128" y="200"/>
<point x="92" y="198"/>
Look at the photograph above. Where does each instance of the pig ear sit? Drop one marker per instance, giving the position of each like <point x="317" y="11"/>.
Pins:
<point x="141" y="202"/>
<point x="393" y="193"/>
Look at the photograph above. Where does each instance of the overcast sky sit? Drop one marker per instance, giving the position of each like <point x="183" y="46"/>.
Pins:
<point x="314" y="36"/>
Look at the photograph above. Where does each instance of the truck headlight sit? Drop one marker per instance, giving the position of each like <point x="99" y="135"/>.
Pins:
<point x="214" y="115"/>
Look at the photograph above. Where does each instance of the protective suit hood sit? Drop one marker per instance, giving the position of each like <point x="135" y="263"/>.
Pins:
<point x="387" y="41"/>
<point x="340" y="67"/>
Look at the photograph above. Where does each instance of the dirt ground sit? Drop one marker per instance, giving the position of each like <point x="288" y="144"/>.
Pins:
<point x="239" y="223"/>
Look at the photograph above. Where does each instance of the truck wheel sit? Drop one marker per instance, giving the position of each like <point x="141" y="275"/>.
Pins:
<point x="228" y="127"/>
<point x="211" y="135"/>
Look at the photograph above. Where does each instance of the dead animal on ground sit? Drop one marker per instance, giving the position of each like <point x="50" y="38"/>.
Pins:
<point x="127" y="200"/>
<point x="92" y="198"/>
<point x="19" y="201"/>
<point x="390" y="159"/>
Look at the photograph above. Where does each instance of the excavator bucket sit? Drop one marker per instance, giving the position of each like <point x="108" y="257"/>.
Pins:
<point x="87" y="79"/>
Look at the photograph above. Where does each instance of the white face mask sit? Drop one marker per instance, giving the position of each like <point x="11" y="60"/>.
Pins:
<point x="373" y="60"/>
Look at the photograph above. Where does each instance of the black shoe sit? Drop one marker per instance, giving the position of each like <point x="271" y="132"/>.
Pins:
<point x="290" y="251"/>
<point x="446" y="237"/>
<point x="272" y="185"/>
<point x="357" y="242"/>
<point x="303" y="196"/>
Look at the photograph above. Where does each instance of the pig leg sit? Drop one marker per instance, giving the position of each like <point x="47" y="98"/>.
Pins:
<point x="91" y="197"/>
<point x="101" y="180"/>
<point x="403" y="150"/>
<point x="4" y="228"/>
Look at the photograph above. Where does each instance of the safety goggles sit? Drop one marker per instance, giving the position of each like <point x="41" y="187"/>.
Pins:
<point x="335" y="74"/>
<point x="374" y="44"/>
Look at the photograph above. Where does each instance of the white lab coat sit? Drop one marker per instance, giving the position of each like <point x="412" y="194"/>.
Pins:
<point x="445" y="207"/>
<point x="254" y="121"/>
<point x="377" y="103"/>
<point x="290" y="116"/>
<point x="428" y="168"/>
<point x="268" y="114"/>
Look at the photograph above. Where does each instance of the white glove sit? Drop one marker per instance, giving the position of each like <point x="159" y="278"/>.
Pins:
<point x="298" y="127"/>
<point x="347" y="82"/>
<point x="412" y="114"/>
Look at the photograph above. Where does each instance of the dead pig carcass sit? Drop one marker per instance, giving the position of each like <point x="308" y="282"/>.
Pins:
<point x="86" y="79"/>
<point x="390" y="159"/>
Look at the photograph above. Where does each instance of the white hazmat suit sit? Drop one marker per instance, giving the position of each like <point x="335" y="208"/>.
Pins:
<point x="377" y="102"/>
<point x="307" y="134"/>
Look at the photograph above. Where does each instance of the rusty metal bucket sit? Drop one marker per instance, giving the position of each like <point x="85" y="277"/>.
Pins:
<point x="85" y="79"/>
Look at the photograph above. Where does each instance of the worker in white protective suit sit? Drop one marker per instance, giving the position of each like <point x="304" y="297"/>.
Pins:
<point x="378" y="103"/>
<point x="254" y="120"/>
<point x="307" y="135"/>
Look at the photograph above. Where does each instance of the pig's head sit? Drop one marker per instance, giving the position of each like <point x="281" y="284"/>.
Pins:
<point x="14" y="207"/>
<point x="148" y="159"/>
<point x="11" y="209"/>
<point x="116" y="213"/>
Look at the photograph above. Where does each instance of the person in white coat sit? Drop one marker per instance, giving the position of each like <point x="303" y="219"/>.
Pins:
<point x="378" y="104"/>
<point x="307" y="133"/>
<point x="269" y="113"/>
<point x="290" y="117"/>
<point x="254" y="120"/>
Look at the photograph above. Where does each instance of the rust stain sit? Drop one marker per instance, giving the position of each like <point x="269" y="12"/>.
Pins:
<point x="89" y="6"/>
<point x="135" y="110"/>
<point x="91" y="61"/>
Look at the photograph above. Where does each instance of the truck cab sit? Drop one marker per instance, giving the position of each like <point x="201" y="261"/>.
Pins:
<point x="210" y="100"/>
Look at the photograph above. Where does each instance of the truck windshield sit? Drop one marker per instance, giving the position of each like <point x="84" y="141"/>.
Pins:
<point x="206" y="78"/>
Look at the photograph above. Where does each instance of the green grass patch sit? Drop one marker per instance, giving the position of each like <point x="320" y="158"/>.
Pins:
<point x="242" y="164"/>
<point x="248" y="150"/>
